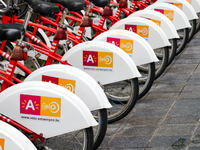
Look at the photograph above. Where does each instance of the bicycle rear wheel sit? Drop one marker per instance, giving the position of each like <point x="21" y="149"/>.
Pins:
<point x="145" y="82"/>
<point x="163" y="56"/>
<point x="172" y="50"/>
<point x="79" y="140"/>
<point x="99" y="131"/>
<point x="183" y="40"/>
<point x="198" y="23"/>
<point x="122" y="96"/>
<point x="192" y="31"/>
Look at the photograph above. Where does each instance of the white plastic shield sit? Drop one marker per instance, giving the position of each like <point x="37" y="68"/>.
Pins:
<point x="147" y="29"/>
<point x="134" y="45"/>
<point x="42" y="106"/>
<point x="195" y="4"/>
<point x="184" y="6"/>
<point x="105" y="62"/>
<point x="160" y="19"/>
<point x="75" y="80"/>
<point x="173" y="13"/>
<point x="11" y="138"/>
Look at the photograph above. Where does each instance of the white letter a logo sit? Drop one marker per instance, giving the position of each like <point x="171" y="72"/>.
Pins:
<point x="90" y="59"/>
<point x="130" y="29"/>
<point x="30" y="105"/>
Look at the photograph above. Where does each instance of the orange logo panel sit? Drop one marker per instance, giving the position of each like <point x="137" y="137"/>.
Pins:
<point x="2" y="141"/>
<point x="189" y="1"/>
<point x="179" y="5"/>
<point x="68" y="84"/>
<point x="126" y="45"/>
<point x="169" y="14"/>
<point x="50" y="106"/>
<point x="143" y="31"/>
<point x="156" y="21"/>
<point x="105" y="59"/>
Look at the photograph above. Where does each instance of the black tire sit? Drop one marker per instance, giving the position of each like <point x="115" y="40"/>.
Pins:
<point x="83" y="140"/>
<point x="163" y="56"/>
<point x="198" y="23"/>
<point x="192" y="31"/>
<point x="146" y="81"/>
<point x="172" y="50"/>
<point x="183" y="40"/>
<point x="122" y="96"/>
<point x="100" y="130"/>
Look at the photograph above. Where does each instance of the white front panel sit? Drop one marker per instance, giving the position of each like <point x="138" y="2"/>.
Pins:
<point x="134" y="45"/>
<point x="105" y="62"/>
<point x="174" y="14"/>
<point x="42" y="106"/>
<point x="151" y="32"/>
<point x="195" y="4"/>
<point x="160" y="19"/>
<point x="75" y="80"/>
<point x="11" y="138"/>
<point x="184" y="6"/>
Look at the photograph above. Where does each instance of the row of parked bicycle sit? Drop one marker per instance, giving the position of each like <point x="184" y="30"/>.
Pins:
<point x="105" y="53"/>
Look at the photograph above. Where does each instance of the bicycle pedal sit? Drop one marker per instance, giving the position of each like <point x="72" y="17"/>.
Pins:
<point x="65" y="48"/>
<point x="35" y="62"/>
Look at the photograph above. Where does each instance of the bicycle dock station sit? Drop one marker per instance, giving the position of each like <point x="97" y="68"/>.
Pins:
<point x="99" y="74"/>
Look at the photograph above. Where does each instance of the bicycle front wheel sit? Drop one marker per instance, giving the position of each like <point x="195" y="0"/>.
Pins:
<point x="122" y="96"/>
<point x="198" y="23"/>
<point x="145" y="82"/>
<point x="172" y="50"/>
<point x="99" y="130"/>
<point x="79" y="140"/>
<point x="163" y="56"/>
<point x="183" y="40"/>
<point x="193" y="29"/>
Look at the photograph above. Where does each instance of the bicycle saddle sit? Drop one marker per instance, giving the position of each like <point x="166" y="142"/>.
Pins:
<point x="11" y="32"/>
<point x="43" y="8"/>
<point x="100" y="3"/>
<point x="71" y="5"/>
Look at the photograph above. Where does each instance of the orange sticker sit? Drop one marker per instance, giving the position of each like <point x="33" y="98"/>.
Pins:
<point x="2" y="141"/>
<point x="169" y="14"/>
<point x="105" y="59"/>
<point x="189" y="1"/>
<point x="156" y="21"/>
<point x="179" y="5"/>
<point x="50" y="106"/>
<point x="143" y="31"/>
<point x="126" y="45"/>
<point x="68" y="84"/>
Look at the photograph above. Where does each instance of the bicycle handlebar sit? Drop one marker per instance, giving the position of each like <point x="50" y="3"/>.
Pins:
<point x="6" y="6"/>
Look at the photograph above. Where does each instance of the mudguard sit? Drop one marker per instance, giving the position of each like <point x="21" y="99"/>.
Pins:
<point x="133" y="44"/>
<point x="146" y="29"/>
<point x="75" y="80"/>
<point x="105" y="62"/>
<point x="160" y="19"/>
<point x="195" y="4"/>
<point x="42" y="106"/>
<point x="184" y="6"/>
<point x="178" y="17"/>
<point x="11" y="138"/>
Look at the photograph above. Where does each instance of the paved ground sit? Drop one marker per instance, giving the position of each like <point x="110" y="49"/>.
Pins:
<point x="168" y="117"/>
